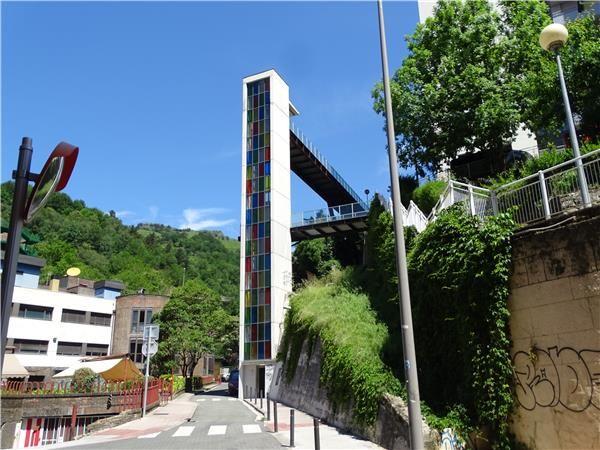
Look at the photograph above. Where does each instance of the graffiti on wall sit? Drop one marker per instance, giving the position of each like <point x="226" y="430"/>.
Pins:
<point x="558" y="376"/>
<point x="451" y="441"/>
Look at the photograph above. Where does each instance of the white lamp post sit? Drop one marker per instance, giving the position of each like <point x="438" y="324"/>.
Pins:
<point x="552" y="38"/>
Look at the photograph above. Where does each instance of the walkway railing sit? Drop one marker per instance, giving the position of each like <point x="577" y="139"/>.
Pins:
<point x="127" y="394"/>
<point x="332" y="214"/>
<point x="535" y="197"/>
<point x="319" y="156"/>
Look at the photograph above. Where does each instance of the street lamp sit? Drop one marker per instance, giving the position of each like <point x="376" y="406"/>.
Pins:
<point x="408" y="339"/>
<point x="53" y="178"/>
<point x="552" y="39"/>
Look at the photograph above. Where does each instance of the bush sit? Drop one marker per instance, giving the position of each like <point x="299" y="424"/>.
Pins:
<point x="428" y="194"/>
<point x="84" y="379"/>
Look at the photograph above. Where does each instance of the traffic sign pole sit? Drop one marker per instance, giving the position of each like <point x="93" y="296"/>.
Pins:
<point x="146" y="383"/>
<point x="149" y="348"/>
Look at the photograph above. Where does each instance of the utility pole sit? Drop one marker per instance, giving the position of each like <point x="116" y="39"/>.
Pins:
<point x="408" y="343"/>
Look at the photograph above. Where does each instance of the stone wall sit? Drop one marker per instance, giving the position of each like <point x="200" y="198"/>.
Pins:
<point x="555" y="327"/>
<point x="16" y="408"/>
<point x="305" y="393"/>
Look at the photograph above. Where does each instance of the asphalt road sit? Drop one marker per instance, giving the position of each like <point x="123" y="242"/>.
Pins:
<point x="219" y="422"/>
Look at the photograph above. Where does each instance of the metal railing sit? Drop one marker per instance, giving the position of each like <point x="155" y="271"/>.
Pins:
<point x="536" y="197"/>
<point x="319" y="156"/>
<point x="330" y="214"/>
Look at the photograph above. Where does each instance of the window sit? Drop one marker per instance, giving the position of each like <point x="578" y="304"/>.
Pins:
<point x="69" y="348"/>
<point x="35" y="312"/>
<point x="31" y="346"/>
<point x="100" y="319"/>
<point x="96" y="350"/>
<point x="140" y="318"/>
<point x="135" y="350"/>
<point x="73" y="316"/>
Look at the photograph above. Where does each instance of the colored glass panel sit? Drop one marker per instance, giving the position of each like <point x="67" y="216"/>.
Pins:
<point x="257" y="295"/>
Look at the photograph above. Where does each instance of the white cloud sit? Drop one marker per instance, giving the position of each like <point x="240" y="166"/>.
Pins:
<point x="123" y="214"/>
<point x="201" y="219"/>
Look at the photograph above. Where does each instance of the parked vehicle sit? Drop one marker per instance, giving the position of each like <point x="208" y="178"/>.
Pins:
<point x="225" y="373"/>
<point x="234" y="379"/>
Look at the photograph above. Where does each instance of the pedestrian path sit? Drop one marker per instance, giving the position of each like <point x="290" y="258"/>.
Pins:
<point x="213" y="430"/>
<point x="304" y="430"/>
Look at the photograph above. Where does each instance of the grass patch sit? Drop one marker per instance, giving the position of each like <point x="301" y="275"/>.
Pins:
<point x="352" y="339"/>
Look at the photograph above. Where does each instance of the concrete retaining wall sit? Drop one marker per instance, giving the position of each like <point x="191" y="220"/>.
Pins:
<point x="555" y="326"/>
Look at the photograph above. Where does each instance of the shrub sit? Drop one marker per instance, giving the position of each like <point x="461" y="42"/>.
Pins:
<point x="428" y="194"/>
<point x="84" y="379"/>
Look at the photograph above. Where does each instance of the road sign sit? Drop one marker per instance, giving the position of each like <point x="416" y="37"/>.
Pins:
<point x="151" y="349"/>
<point x="151" y="331"/>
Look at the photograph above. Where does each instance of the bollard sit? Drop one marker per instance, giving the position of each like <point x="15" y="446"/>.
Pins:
<point x="292" y="428"/>
<point x="317" y="437"/>
<point x="268" y="407"/>
<point x="245" y="391"/>
<point x="255" y="394"/>
<point x="275" y="425"/>
<point x="261" y="397"/>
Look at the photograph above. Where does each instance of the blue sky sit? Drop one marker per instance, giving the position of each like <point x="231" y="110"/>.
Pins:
<point x="151" y="93"/>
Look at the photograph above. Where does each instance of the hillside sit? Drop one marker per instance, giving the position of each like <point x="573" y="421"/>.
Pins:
<point x="149" y="256"/>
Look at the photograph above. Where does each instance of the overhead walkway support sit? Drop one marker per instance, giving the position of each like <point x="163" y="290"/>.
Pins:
<point x="312" y="168"/>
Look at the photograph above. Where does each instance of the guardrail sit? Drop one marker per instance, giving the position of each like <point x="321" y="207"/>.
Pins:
<point x="319" y="156"/>
<point x="331" y="214"/>
<point x="535" y="197"/>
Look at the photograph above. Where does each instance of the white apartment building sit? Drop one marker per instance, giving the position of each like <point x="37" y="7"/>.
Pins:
<point x="51" y="330"/>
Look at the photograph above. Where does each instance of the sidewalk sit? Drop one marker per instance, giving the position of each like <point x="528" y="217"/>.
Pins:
<point x="159" y="419"/>
<point x="330" y="437"/>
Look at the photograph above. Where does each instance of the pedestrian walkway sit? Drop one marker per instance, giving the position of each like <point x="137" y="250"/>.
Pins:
<point x="304" y="434"/>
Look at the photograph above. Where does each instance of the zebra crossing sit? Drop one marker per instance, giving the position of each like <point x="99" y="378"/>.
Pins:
<point x="216" y="399"/>
<point x="213" y="430"/>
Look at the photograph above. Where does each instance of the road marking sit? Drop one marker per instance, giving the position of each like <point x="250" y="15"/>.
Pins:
<point x="216" y="399"/>
<point x="217" y="429"/>
<point x="232" y="399"/>
<point x="248" y="429"/>
<point x="183" y="431"/>
<point x="201" y="400"/>
<point x="149" y="436"/>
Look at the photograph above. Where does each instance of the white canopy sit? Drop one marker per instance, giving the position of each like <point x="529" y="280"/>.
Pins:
<point x="109" y="369"/>
<point x="12" y="367"/>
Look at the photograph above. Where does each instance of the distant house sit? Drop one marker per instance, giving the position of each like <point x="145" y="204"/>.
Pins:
<point x="132" y="313"/>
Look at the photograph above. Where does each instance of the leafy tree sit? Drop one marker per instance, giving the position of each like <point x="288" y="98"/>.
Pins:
<point x="534" y="71"/>
<point x="312" y="257"/>
<point x="193" y="323"/>
<point x="474" y="74"/>
<point x="452" y="92"/>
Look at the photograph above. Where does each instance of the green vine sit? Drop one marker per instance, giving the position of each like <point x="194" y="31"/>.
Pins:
<point x="459" y="272"/>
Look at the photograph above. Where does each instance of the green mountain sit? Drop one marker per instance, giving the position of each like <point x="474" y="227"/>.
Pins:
<point x="150" y="256"/>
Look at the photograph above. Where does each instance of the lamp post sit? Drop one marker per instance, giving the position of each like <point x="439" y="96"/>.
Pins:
<point x="52" y="178"/>
<point x="552" y="39"/>
<point x="408" y="340"/>
<point x="367" y="192"/>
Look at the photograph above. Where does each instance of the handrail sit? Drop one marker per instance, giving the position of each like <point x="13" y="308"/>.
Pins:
<point x="319" y="156"/>
<point x="549" y="169"/>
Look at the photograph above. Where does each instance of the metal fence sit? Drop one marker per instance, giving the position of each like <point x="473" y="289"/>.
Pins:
<point x="534" y="198"/>
<point x="331" y="214"/>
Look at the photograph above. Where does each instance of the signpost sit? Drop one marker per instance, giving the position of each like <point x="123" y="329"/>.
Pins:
<point x="53" y="177"/>
<point x="149" y="349"/>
